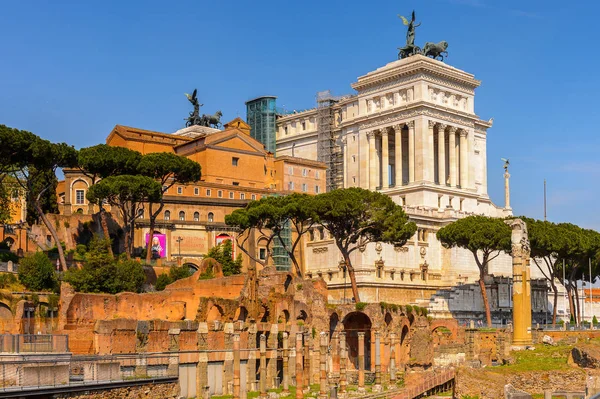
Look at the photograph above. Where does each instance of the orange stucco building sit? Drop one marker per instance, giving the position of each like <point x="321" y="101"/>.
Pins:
<point x="236" y="169"/>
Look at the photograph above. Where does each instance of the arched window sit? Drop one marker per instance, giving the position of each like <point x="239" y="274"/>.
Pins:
<point x="79" y="210"/>
<point x="181" y="215"/>
<point x="196" y="216"/>
<point x="211" y="217"/>
<point x="167" y="215"/>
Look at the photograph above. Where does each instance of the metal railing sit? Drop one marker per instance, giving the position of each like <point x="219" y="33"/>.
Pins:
<point x="35" y="372"/>
<point x="34" y="343"/>
<point x="427" y="385"/>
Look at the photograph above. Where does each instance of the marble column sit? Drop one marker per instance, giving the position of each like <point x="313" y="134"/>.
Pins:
<point x="236" y="366"/>
<point x="307" y="366"/>
<point x="361" y="362"/>
<point x="411" y="151"/>
<point x="346" y="160"/>
<point x="452" y="153"/>
<point x="286" y="361"/>
<point x="398" y="149"/>
<point x="372" y="161"/>
<point x="441" y="154"/>
<point x="343" y="363"/>
<point x="377" y="385"/>
<point x="323" y="365"/>
<point x="464" y="160"/>
<point x="263" y="366"/>
<point x="392" y="359"/>
<point x="385" y="159"/>
<point x="299" y="374"/>
<point x="430" y="134"/>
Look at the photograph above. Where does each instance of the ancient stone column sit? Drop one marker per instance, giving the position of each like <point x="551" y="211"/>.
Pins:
<point x="236" y="366"/>
<point x="361" y="362"/>
<point x="307" y="368"/>
<point x="441" y="154"/>
<point x="372" y="161"/>
<point x="286" y="361"/>
<point x="343" y="363"/>
<point x="464" y="160"/>
<point x="398" y="148"/>
<point x="392" y="358"/>
<point x="506" y="190"/>
<point x="430" y="133"/>
<point x="377" y="386"/>
<point x="411" y="151"/>
<point x="299" y="376"/>
<point x="263" y="366"/>
<point x="452" y="151"/>
<point x="323" y="366"/>
<point x="521" y="284"/>
<point x="385" y="159"/>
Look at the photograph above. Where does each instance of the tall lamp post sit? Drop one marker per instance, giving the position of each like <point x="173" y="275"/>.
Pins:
<point x="179" y="239"/>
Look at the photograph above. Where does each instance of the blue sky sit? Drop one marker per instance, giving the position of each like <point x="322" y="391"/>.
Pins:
<point x="72" y="70"/>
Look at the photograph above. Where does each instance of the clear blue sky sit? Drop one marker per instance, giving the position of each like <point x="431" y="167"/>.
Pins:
<point x="72" y="70"/>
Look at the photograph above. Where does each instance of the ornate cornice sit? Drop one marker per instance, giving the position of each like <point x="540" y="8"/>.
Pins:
<point x="402" y="116"/>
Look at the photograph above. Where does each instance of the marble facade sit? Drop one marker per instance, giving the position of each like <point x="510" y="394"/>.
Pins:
<point x="410" y="132"/>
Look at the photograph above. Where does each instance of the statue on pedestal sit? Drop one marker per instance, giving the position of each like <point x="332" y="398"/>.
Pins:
<point x="205" y="120"/>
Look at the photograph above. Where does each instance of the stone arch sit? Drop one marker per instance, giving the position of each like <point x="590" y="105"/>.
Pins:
<point x="334" y="321"/>
<point x="388" y="319"/>
<point x="285" y="315"/>
<point x="215" y="313"/>
<point x="6" y="318"/>
<point x="241" y="314"/>
<point x="404" y="350"/>
<point x="302" y="315"/>
<point x="264" y="315"/>
<point x="354" y="323"/>
<point x="191" y="266"/>
<point x="449" y="324"/>
<point x="288" y="282"/>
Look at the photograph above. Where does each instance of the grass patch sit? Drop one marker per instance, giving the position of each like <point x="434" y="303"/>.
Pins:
<point x="543" y="358"/>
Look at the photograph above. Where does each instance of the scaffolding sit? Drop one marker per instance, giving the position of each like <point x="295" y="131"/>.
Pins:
<point x="328" y="151"/>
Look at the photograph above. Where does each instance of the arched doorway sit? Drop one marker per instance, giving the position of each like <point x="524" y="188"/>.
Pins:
<point x="354" y="323"/>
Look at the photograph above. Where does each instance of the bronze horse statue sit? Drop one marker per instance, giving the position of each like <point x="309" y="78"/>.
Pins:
<point x="211" y="120"/>
<point x="436" y="50"/>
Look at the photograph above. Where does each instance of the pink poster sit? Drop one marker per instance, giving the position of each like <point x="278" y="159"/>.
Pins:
<point x="159" y="245"/>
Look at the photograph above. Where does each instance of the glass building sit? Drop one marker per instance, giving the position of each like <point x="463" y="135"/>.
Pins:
<point x="261" y="115"/>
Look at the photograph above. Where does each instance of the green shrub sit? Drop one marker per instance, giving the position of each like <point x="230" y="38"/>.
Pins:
<point x="36" y="272"/>
<point x="424" y="311"/>
<point x="360" y="306"/>
<point x="102" y="274"/>
<point x="162" y="281"/>
<point x="572" y="321"/>
<point x="6" y="280"/>
<point x="175" y="273"/>
<point x="594" y="320"/>
<point x="223" y="253"/>
<point x="6" y="256"/>
<point x="409" y="309"/>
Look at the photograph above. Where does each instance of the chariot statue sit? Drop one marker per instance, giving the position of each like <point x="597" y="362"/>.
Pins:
<point x="410" y="48"/>
<point x="436" y="50"/>
<point x="205" y="120"/>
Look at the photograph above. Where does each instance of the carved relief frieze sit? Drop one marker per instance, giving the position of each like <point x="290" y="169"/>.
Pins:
<point x="320" y="250"/>
<point x="447" y="117"/>
<point x="416" y="77"/>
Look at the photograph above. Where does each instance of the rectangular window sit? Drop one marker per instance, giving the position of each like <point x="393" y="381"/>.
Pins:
<point x="262" y="253"/>
<point x="236" y="183"/>
<point x="317" y="190"/>
<point x="253" y="197"/>
<point x="79" y="197"/>
<point x="231" y="194"/>
<point x="303" y="125"/>
<point x="208" y="192"/>
<point x="291" y="185"/>
<point x="291" y="170"/>
<point x="196" y="191"/>
<point x="304" y="172"/>
<point x="220" y="194"/>
<point x="242" y="196"/>
<point x="234" y="161"/>
<point x="317" y="174"/>
<point x="179" y="190"/>
<point x="304" y="187"/>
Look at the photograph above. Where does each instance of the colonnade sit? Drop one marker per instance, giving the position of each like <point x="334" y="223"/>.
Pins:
<point x="443" y="151"/>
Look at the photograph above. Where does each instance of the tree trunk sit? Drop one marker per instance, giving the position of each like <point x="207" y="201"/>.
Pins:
<point x="104" y="225"/>
<point x="577" y="306"/>
<point x="554" y="310"/>
<point x="570" y="297"/>
<point x="150" y="235"/>
<point x="61" y="253"/>
<point x="486" y="302"/>
<point x="352" y="276"/>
